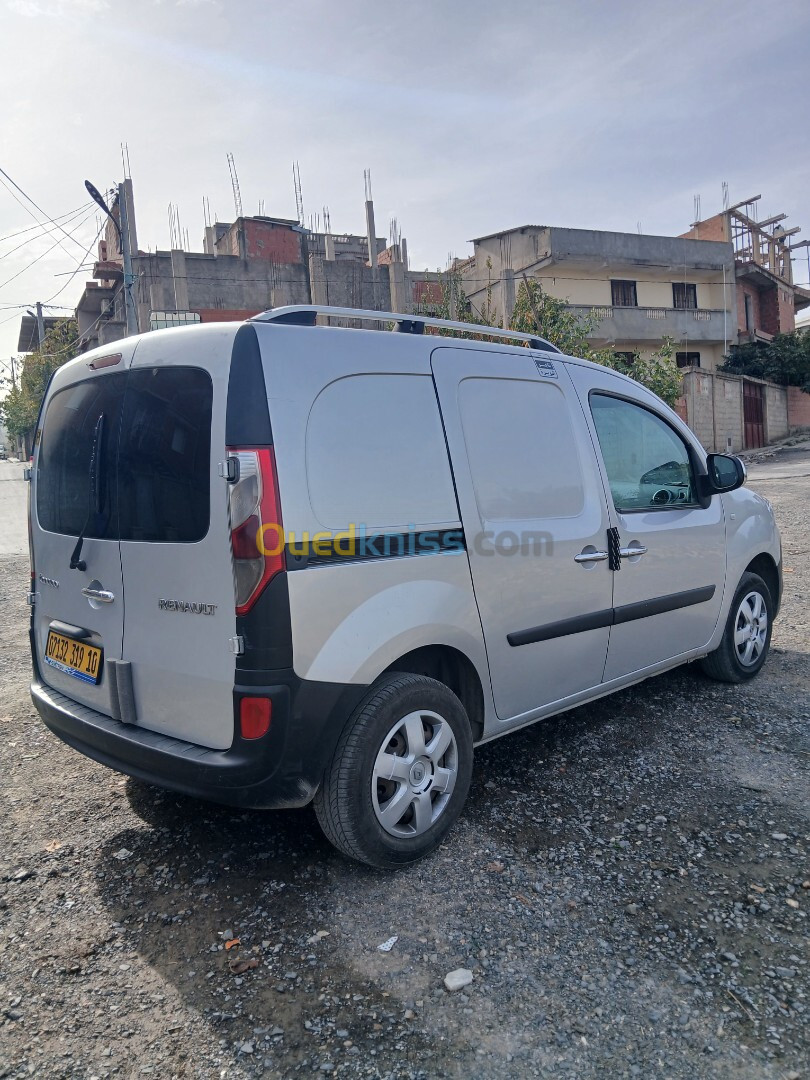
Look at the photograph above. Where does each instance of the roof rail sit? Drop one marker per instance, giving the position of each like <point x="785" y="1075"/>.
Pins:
<point x="307" y="314"/>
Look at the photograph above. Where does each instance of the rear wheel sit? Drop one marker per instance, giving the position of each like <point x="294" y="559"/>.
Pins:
<point x="400" y="774"/>
<point x="747" y="637"/>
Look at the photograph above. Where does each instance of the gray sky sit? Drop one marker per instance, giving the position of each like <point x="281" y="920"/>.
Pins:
<point x="472" y="116"/>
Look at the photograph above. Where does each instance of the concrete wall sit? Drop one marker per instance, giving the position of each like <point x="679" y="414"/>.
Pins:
<point x="714" y="410"/>
<point x="348" y="283"/>
<point x="798" y="408"/>
<point x="776" y="412"/>
<point x="221" y="282"/>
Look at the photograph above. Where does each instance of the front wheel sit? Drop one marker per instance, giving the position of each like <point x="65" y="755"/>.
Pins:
<point x="747" y="636"/>
<point x="400" y="773"/>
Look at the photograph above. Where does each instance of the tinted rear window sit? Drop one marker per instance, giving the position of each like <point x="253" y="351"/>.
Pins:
<point x="63" y="479"/>
<point x="154" y="455"/>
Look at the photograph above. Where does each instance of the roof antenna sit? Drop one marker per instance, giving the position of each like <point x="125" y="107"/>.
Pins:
<point x="237" y="195"/>
<point x="299" y="198"/>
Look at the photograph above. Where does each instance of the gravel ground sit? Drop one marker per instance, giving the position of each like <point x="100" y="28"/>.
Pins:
<point x="628" y="885"/>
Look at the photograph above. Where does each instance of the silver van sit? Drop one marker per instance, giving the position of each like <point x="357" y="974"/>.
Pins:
<point x="284" y="561"/>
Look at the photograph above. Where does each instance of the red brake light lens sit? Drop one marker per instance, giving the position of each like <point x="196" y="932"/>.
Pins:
<point x="255" y="714"/>
<point x="257" y="536"/>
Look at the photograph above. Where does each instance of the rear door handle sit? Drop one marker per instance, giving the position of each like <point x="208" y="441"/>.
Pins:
<point x="591" y="556"/>
<point x="630" y="552"/>
<point x="103" y="596"/>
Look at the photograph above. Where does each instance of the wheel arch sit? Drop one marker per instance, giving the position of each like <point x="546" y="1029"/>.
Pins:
<point x="765" y="566"/>
<point x="456" y="671"/>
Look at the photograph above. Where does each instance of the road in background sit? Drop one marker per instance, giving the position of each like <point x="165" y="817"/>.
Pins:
<point x="13" y="494"/>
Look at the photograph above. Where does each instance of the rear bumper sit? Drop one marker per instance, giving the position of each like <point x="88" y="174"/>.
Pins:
<point x="282" y="769"/>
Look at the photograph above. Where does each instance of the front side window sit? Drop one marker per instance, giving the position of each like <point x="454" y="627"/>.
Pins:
<point x="647" y="462"/>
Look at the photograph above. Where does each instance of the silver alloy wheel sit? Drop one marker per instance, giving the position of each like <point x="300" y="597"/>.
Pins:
<point x="414" y="773"/>
<point x="751" y="629"/>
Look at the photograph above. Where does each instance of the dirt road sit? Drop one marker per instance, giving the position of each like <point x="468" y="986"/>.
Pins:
<point x="629" y="885"/>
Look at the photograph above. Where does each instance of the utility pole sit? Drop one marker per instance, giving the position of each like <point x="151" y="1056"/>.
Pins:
<point x="129" y="279"/>
<point x="123" y="240"/>
<point x="40" y="325"/>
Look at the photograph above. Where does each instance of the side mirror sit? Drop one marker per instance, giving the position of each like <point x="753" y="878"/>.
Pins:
<point x="725" y="473"/>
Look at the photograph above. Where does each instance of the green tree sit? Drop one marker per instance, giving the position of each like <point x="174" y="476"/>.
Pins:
<point x="20" y="407"/>
<point x="784" y="360"/>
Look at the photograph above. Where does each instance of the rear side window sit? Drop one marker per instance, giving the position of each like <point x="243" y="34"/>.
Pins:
<point x="68" y="432"/>
<point x="522" y="450"/>
<point x="164" y="457"/>
<point x="376" y="454"/>
<point x="153" y="447"/>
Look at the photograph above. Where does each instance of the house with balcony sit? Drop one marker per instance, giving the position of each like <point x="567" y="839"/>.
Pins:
<point x="639" y="288"/>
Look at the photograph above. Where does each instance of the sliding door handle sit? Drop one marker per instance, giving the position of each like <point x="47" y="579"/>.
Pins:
<point x="631" y="552"/>
<point x="591" y="556"/>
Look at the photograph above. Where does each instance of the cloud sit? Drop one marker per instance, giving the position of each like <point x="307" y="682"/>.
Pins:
<point x="56" y="9"/>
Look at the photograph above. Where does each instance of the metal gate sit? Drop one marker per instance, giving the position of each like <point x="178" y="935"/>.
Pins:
<point x="753" y="415"/>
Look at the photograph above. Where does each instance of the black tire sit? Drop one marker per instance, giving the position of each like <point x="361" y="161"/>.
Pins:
<point x="350" y="800"/>
<point x="726" y="664"/>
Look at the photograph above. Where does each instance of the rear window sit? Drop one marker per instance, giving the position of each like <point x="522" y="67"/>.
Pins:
<point x="154" y="453"/>
<point x="63" y="478"/>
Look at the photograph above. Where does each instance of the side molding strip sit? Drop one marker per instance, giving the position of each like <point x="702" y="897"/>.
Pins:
<point x="597" y="620"/>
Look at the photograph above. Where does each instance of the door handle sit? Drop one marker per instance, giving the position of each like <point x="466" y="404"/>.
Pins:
<point x="631" y="552"/>
<point x="103" y="596"/>
<point x="591" y="556"/>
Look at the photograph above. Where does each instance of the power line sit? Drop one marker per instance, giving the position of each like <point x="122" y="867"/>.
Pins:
<point x="28" y="228"/>
<point x="47" y="251"/>
<point x="36" y="205"/>
<point x="45" y="232"/>
<point x="80" y="265"/>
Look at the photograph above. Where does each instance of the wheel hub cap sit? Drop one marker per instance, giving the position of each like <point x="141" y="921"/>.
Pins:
<point x="751" y="629"/>
<point x="414" y="774"/>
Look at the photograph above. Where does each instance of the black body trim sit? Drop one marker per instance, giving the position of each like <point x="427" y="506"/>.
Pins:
<point x="597" y="620"/>
<point x="659" y="604"/>
<point x="360" y="548"/>
<point x="283" y="769"/>
<point x="247" y="420"/>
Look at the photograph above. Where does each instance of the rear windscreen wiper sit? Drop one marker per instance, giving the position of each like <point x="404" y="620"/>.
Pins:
<point x="96" y="495"/>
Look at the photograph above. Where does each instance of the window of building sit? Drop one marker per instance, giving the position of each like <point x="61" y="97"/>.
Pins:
<point x="623" y="293"/>
<point x="647" y="462"/>
<point x="684" y="295"/>
<point x="749" y="313"/>
<point x="687" y="359"/>
<point x="623" y="354"/>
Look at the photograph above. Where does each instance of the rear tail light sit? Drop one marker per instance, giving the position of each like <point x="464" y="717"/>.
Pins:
<point x="255" y="714"/>
<point x="257" y="537"/>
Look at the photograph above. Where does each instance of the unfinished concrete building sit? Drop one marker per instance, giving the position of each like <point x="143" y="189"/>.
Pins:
<point x="246" y="266"/>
